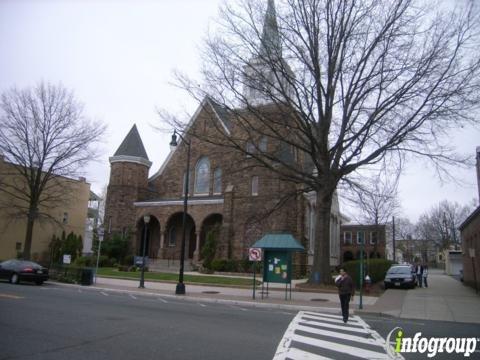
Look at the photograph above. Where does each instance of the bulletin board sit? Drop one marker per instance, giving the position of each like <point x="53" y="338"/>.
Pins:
<point x="277" y="266"/>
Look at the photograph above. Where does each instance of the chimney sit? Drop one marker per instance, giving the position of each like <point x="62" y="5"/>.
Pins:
<point x="478" y="171"/>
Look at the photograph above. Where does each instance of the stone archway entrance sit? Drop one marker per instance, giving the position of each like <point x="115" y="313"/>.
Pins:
<point x="174" y="235"/>
<point x="152" y="240"/>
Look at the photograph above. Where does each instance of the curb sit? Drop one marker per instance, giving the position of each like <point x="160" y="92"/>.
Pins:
<point x="193" y="298"/>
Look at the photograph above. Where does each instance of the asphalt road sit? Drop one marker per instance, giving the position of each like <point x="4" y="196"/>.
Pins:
<point x="428" y="329"/>
<point x="57" y="322"/>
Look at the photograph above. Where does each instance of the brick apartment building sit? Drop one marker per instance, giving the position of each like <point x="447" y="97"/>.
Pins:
<point x="236" y="203"/>
<point x="470" y="234"/>
<point x="353" y="236"/>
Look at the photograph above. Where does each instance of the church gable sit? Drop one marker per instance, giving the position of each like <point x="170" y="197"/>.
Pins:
<point x="207" y="121"/>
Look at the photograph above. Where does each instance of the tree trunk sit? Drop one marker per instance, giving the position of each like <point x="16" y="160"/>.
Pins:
<point x="320" y="273"/>
<point x="28" y="236"/>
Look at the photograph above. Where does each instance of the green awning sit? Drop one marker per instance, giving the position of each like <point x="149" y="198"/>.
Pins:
<point x="279" y="242"/>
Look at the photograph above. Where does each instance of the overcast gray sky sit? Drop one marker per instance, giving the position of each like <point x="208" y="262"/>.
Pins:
<point x="118" y="58"/>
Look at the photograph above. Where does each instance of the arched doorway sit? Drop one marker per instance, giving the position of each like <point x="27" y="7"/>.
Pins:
<point x="211" y="224"/>
<point x="174" y="235"/>
<point x="152" y="239"/>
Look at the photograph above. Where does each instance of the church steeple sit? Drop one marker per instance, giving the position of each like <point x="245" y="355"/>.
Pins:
<point x="267" y="75"/>
<point x="270" y="41"/>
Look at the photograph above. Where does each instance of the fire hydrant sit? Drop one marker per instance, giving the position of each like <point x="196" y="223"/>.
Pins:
<point x="368" y="284"/>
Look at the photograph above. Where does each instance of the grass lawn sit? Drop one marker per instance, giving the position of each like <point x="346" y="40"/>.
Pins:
<point x="169" y="277"/>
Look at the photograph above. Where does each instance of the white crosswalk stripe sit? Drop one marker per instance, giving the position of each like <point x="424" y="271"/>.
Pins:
<point x="313" y="335"/>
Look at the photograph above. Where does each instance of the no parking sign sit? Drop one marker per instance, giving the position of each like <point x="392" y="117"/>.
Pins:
<point x="255" y="254"/>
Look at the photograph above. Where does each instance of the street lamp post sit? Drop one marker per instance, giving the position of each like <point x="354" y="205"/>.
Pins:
<point x="180" y="289"/>
<point x="146" y="220"/>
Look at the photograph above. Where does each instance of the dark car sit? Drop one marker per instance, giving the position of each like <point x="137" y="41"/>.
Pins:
<point x="22" y="270"/>
<point x="400" y="276"/>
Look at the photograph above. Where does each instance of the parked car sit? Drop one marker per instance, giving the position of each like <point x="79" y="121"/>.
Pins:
<point x="400" y="276"/>
<point x="21" y="270"/>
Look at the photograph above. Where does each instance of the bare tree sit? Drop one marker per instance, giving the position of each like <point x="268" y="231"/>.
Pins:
<point x="47" y="141"/>
<point x="352" y="84"/>
<point x="440" y="224"/>
<point x="375" y="199"/>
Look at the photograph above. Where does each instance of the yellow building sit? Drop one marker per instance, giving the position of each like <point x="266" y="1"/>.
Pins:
<point x="70" y="215"/>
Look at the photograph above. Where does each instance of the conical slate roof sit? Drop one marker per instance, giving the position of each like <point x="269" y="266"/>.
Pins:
<point x="132" y="145"/>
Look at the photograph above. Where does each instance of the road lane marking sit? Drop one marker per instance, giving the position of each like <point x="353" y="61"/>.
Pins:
<point x="163" y="300"/>
<point x="133" y="297"/>
<point x="10" y="296"/>
<point x="103" y="293"/>
<point x="202" y="305"/>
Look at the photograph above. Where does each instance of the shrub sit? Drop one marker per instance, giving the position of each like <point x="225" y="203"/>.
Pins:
<point x="209" y="250"/>
<point x="87" y="261"/>
<point x="128" y="260"/>
<point x="375" y="268"/>
<point x="117" y="247"/>
<point x="218" y="265"/>
<point x="105" y="261"/>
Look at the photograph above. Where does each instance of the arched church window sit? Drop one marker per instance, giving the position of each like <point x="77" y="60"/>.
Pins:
<point x="217" y="181"/>
<point x="202" y="176"/>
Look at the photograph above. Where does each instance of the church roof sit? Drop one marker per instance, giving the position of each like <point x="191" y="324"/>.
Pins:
<point x="132" y="145"/>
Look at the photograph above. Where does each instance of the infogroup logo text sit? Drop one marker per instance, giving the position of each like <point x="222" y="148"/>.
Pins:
<point x="432" y="346"/>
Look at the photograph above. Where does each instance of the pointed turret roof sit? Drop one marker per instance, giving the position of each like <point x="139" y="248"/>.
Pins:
<point x="131" y="149"/>
<point x="132" y="145"/>
<point x="270" y="42"/>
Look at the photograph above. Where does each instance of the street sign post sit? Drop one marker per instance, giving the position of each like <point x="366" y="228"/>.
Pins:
<point x="254" y="254"/>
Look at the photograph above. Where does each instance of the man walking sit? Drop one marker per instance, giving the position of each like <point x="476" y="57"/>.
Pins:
<point x="419" y="275"/>
<point x="346" y="290"/>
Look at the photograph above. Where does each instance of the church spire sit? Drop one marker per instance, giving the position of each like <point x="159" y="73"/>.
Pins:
<point x="270" y="41"/>
<point x="267" y="76"/>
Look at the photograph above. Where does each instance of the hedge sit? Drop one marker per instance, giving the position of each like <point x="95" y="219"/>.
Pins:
<point x="375" y="268"/>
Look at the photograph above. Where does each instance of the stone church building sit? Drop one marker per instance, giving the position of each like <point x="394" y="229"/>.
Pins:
<point x="228" y="191"/>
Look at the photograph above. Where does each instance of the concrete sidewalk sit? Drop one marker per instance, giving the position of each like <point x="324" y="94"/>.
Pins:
<point x="445" y="299"/>
<point x="309" y="301"/>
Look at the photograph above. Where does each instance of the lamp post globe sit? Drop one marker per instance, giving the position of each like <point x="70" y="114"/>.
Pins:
<point x="146" y="220"/>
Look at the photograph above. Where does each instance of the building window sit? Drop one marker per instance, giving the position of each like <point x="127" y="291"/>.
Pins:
<point x="18" y="246"/>
<point x="250" y="149"/>
<point x="202" y="176"/>
<point x="360" y="237"/>
<point x="172" y="237"/>
<point x="262" y="144"/>
<point x="65" y="218"/>
<point x="373" y="237"/>
<point x="347" y="237"/>
<point x="217" y="181"/>
<point x="254" y="185"/>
